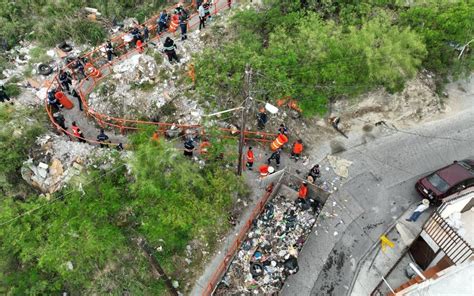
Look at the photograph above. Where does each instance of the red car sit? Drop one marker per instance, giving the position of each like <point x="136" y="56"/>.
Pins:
<point x="446" y="181"/>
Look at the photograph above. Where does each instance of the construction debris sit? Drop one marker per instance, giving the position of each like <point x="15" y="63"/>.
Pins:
<point x="56" y="160"/>
<point x="147" y="86"/>
<point x="270" y="251"/>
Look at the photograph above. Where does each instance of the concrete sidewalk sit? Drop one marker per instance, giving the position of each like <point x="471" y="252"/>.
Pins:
<point x="378" y="263"/>
<point x="356" y="216"/>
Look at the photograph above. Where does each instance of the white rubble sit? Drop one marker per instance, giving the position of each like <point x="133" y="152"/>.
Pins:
<point x="139" y="86"/>
<point x="56" y="160"/>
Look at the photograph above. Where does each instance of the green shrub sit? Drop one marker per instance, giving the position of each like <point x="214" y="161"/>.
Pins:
<point x="166" y="198"/>
<point x="147" y="86"/>
<point x="16" y="136"/>
<point x="168" y="109"/>
<point x="443" y="25"/>
<point x="85" y="31"/>
<point x="38" y="55"/>
<point x="12" y="89"/>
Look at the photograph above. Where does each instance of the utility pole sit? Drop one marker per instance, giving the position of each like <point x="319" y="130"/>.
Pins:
<point x="247" y="85"/>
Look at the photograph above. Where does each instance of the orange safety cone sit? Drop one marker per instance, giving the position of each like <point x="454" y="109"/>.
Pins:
<point x="294" y="105"/>
<point x="156" y="136"/>
<point x="92" y="71"/>
<point x="63" y="100"/>
<point x="203" y="148"/>
<point x="174" y="24"/>
<point x="279" y="142"/>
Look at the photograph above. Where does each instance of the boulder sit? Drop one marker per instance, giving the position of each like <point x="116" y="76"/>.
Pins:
<point x="56" y="170"/>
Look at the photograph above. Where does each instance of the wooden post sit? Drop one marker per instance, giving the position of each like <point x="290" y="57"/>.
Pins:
<point x="247" y="83"/>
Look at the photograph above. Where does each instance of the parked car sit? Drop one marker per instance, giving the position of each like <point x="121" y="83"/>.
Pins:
<point x="448" y="180"/>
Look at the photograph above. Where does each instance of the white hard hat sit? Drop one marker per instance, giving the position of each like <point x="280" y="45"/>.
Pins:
<point x="425" y="202"/>
<point x="271" y="169"/>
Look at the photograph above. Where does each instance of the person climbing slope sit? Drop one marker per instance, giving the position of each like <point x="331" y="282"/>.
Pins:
<point x="169" y="47"/>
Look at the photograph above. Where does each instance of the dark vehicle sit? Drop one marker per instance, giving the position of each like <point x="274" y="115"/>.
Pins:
<point x="446" y="181"/>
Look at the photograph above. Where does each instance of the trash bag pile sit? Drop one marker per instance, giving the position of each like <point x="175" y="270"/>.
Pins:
<point x="269" y="253"/>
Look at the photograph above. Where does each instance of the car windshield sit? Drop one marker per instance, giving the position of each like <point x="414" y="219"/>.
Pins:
<point x="438" y="183"/>
<point x="466" y="166"/>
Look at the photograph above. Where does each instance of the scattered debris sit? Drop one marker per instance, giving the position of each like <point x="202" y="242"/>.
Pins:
<point x="340" y="165"/>
<point x="56" y="160"/>
<point x="147" y="86"/>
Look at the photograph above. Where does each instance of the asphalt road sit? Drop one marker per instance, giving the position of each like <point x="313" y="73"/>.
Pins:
<point x="379" y="189"/>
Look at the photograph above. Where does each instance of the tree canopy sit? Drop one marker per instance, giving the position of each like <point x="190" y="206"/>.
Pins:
<point x="326" y="50"/>
<point x="80" y="240"/>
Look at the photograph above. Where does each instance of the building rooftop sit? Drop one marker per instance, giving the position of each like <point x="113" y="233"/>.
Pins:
<point x="455" y="280"/>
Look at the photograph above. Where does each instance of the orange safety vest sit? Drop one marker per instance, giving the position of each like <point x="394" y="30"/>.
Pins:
<point x="192" y="73"/>
<point x="250" y="156"/>
<point x="303" y="192"/>
<point x="76" y="131"/>
<point x="140" y="46"/>
<point x="297" y="148"/>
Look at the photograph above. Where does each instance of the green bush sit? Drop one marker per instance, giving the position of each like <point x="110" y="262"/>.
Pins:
<point x="85" y="31"/>
<point x="38" y="55"/>
<point x="16" y="136"/>
<point x="12" y="89"/>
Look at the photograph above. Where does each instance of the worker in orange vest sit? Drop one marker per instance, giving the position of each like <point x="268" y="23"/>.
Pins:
<point x="140" y="46"/>
<point x="250" y="158"/>
<point x="76" y="131"/>
<point x="303" y="192"/>
<point x="297" y="149"/>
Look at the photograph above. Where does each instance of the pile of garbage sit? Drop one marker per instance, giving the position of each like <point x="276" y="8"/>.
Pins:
<point x="147" y="86"/>
<point x="55" y="160"/>
<point x="269" y="253"/>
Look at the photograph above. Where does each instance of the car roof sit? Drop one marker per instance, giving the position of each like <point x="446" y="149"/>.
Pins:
<point x="456" y="172"/>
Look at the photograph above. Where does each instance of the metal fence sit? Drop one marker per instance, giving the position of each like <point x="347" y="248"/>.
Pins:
<point x="98" y="59"/>
<point x="448" y="240"/>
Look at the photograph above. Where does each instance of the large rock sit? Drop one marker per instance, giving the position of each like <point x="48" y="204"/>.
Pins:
<point x="56" y="170"/>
